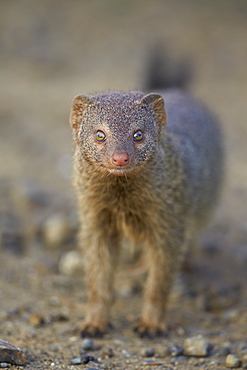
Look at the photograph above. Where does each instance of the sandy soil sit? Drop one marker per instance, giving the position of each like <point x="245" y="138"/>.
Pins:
<point x="51" y="51"/>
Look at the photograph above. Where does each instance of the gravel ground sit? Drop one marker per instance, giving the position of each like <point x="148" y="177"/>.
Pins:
<point x="51" y="51"/>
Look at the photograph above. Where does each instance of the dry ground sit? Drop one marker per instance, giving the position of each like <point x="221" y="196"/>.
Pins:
<point x="51" y="51"/>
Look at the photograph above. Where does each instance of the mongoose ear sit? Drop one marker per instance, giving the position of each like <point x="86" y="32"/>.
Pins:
<point x="157" y="103"/>
<point x="79" y="103"/>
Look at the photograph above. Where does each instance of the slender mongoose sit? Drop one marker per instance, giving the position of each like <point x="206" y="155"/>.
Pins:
<point x="147" y="171"/>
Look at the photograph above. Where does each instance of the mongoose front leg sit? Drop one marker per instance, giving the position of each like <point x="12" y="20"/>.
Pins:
<point x="162" y="266"/>
<point x="100" y="261"/>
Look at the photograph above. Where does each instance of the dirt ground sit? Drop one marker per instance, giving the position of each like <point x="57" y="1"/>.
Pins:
<point x="51" y="51"/>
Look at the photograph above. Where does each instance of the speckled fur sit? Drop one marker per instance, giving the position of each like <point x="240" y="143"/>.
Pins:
<point x="158" y="201"/>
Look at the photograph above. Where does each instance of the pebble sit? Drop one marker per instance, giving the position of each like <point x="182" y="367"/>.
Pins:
<point x="232" y="361"/>
<point x="88" y="344"/>
<point x="148" y="352"/>
<point x="82" y="360"/>
<point x="197" y="346"/>
<point x="86" y="359"/>
<point x="70" y="263"/>
<point x="109" y="352"/>
<point x="126" y="353"/>
<point x="11" y="354"/>
<point x="175" y="350"/>
<point x="56" y="230"/>
<point x="76" y="361"/>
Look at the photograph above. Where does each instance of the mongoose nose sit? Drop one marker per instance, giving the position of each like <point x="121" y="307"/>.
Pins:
<point x="120" y="158"/>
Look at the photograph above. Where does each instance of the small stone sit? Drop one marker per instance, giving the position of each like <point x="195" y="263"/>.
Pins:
<point x="56" y="230"/>
<point x="109" y="352"/>
<point x="197" y="346"/>
<point x="86" y="359"/>
<point x="70" y="263"/>
<point x="76" y="361"/>
<point x="11" y="354"/>
<point x="214" y="363"/>
<point x="88" y="344"/>
<point x="175" y="350"/>
<point x="126" y="353"/>
<point x="148" y="352"/>
<point x="232" y="361"/>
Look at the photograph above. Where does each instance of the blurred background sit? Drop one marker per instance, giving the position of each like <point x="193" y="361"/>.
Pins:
<point x="51" y="51"/>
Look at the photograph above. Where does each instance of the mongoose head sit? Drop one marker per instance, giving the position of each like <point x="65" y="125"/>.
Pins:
<point x="118" y="133"/>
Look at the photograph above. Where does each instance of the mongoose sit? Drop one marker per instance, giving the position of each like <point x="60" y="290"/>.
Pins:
<point x="147" y="172"/>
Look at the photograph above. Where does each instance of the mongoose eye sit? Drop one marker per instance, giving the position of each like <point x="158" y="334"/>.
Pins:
<point x="138" y="135"/>
<point x="100" y="136"/>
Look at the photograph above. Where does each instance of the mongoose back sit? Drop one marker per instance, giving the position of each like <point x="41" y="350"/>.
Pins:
<point x="146" y="171"/>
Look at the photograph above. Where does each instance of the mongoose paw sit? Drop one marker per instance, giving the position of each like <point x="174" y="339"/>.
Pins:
<point x="91" y="331"/>
<point x="144" y="330"/>
<point x="88" y="330"/>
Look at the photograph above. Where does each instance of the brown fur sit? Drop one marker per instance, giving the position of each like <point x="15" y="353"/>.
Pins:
<point x="157" y="200"/>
